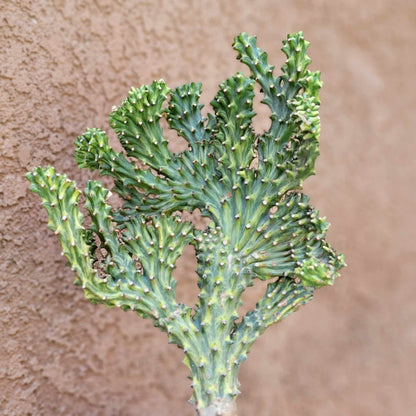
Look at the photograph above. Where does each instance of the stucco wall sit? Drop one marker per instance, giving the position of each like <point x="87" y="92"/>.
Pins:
<point x="351" y="351"/>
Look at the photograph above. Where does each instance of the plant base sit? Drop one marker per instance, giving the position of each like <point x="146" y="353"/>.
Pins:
<point x="218" y="408"/>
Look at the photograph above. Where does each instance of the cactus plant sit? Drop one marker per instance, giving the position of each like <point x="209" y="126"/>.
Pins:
<point x="247" y="184"/>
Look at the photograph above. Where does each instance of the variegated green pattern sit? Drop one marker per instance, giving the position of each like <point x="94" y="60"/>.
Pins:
<point x="248" y="184"/>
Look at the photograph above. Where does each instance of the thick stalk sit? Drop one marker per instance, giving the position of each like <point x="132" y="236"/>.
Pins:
<point x="213" y="365"/>
<point x="215" y="386"/>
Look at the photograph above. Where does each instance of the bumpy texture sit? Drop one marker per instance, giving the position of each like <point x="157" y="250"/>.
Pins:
<point x="247" y="184"/>
<point x="64" y="64"/>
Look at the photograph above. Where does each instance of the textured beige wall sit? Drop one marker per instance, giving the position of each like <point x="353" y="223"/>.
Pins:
<point x="351" y="351"/>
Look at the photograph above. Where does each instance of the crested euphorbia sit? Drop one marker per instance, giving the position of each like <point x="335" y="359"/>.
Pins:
<point x="261" y="226"/>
